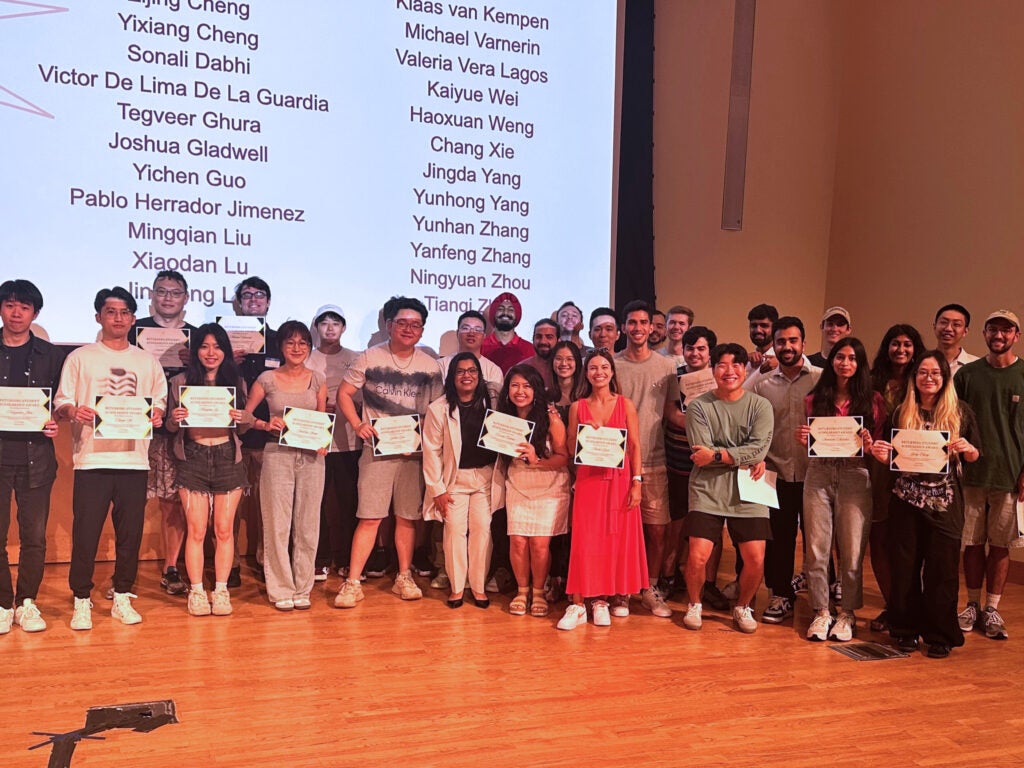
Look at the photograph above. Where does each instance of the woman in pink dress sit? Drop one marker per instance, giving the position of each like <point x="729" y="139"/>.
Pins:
<point x="607" y="555"/>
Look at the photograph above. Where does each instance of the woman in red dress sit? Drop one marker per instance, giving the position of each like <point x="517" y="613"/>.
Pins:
<point x="607" y="555"/>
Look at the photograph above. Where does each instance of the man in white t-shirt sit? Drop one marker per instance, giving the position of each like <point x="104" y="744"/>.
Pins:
<point x="396" y="379"/>
<point x="952" y="323"/>
<point x="98" y="377"/>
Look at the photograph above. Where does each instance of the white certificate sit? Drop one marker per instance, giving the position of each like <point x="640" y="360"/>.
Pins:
<point x="501" y="432"/>
<point x="763" y="491"/>
<point x="248" y="334"/>
<point x="165" y="344"/>
<point x="307" y="429"/>
<point x="920" y="450"/>
<point x="694" y="384"/>
<point x="835" y="437"/>
<point x="24" y="409"/>
<point x="207" y="406"/>
<point x="123" y="417"/>
<point x="396" y="435"/>
<point x="600" y="446"/>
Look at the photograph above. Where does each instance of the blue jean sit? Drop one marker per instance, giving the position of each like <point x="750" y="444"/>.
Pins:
<point x="837" y="503"/>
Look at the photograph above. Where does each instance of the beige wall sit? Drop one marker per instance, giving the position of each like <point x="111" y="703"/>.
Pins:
<point x="929" y="182"/>
<point x="781" y="255"/>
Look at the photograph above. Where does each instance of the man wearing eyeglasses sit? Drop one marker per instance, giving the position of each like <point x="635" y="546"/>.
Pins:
<point x="252" y="299"/>
<point x="395" y="379"/>
<point x="994" y="485"/>
<point x="169" y="297"/>
<point x="470" y="332"/>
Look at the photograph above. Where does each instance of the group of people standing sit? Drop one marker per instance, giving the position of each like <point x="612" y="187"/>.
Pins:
<point x="599" y="535"/>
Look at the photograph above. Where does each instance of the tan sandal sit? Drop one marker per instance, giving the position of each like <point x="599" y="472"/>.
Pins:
<point x="518" y="605"/>
<point x="540" y="605"/>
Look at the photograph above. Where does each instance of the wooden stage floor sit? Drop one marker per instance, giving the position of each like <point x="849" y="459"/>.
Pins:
<point x="418" y="684"/>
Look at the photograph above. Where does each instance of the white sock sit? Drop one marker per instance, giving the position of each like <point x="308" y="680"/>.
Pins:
<point x="221" y="586"/>
<point x="197" y="587"/>
<point x="991" y="601"/>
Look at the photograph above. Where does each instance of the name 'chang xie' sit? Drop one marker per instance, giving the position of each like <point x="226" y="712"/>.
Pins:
<point x="447" y="146"/>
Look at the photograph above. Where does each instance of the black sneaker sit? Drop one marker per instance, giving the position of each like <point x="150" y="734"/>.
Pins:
<point x="172" y="583"/>
<point x="421" y="564"/>
<point x="377" y="563"/>
<point x="235" y="577"/>
<point x="714" y="598"/>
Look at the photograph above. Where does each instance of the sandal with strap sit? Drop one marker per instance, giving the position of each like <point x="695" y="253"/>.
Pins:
<point x="540" y="605"/>
<point x="518" y="605"/>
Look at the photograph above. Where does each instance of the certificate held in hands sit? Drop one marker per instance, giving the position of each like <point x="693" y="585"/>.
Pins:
<point x="307" y="429"/>
<point x="396" y="435"/>
<point x="503" y="433"/>
<point x="207" y="406"/>
<point x="835" y="437"/>
<point x="920" y="450"/>
<point x="24" y="409"/>
<point x="165" y="344"/>
<point x="600" y="446"/>
<point x="248" y="334"/>
<point x="123" y="417"/>
<point x="694" y="384"/>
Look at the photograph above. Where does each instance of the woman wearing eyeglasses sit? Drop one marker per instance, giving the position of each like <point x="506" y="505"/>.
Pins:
<point x="292" y="482"/>
<point x="926" y="512"/>
<point x="457" y="474"/>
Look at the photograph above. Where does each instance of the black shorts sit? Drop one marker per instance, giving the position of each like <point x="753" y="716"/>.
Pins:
<point x="210" y="468"/>
<point x="678" y="495"/>
<point x="703" y="525"/>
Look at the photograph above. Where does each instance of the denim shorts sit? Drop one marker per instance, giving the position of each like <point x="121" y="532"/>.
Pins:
<point x="210" y="468"/>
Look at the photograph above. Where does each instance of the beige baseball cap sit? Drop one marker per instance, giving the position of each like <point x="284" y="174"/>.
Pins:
<point x="1003" y="314"/>
<point x="833" y="311"/>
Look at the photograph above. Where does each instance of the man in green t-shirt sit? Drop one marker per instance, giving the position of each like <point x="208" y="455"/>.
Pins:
<point x="993" y="486"/>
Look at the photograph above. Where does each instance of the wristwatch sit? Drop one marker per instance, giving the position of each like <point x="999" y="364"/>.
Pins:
<point x="637" y="478"/>
<point x="718" y="456"/>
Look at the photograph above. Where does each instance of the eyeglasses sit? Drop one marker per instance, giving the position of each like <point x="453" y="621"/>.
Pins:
<point x="471" y="329"/>
<point x="297" y="344"/>
<point x="936" y="375"/>
<point x="408" y="325"/>
<point x="175" y="293"/>
<point x="252" y="295"/>
<point x="471" y="372"/>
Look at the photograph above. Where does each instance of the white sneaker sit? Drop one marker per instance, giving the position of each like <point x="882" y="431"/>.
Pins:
<point x="818" y="631"/>
<point x="122" y="609"/>
<point x="692" y="619"/>
<point x="843" y="629"/>
<point x="351" y="593"/>
<point x="405" y="587"/>
<point x="82" y="617"/>
<point x="620" y="606"/>
<point x="440" y="581"/>
<point x="321" y="573"/>
<point x="574" y="616"/>
<point x="27" y="617"/>
<point x="652" y="600"/>
<point x="744" y="619"/>
<point x="731" y="590"/>
<point x="198" y="603"/>
<point x="601" y="615"/>
<point x="6" y="620"/>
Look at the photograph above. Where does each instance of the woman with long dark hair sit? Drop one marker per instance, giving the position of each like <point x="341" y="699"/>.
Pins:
<point x="208" y="467"/>
<point x="900" y="346"/>
<point x="536" y="488"/>
<point x="926" y="512"/>
<point x="458" y="476"/>
<point x="292" y="481"/>
<point x="608" y="557"/>
<point x="837" y="491"/>
<point x="567" y="373"/>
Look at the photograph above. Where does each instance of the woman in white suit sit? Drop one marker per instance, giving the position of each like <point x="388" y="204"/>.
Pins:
<point x="458" y="477"/>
